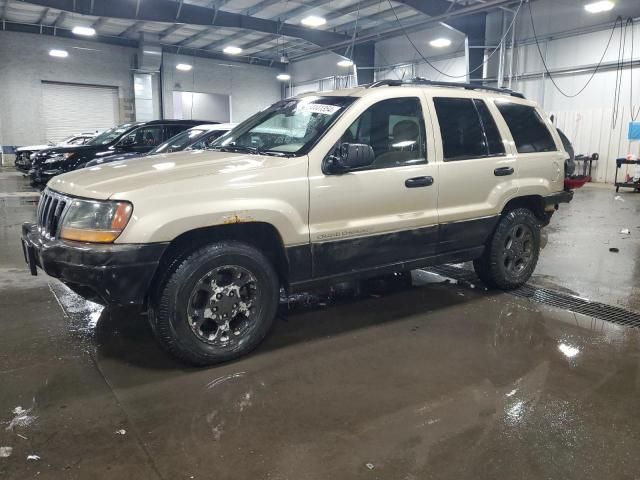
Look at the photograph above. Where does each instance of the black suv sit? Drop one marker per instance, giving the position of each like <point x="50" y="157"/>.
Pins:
<point x="138" y="137"/>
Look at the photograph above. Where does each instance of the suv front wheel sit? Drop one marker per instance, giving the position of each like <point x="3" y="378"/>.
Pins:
<point x="512" y="252"/>
<point x="218" y="304"/>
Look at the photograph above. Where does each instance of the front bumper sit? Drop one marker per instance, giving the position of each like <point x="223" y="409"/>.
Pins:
<point x="110" y="273"/>
<point x="23" y="164"/>
<point x="42" y="176"/>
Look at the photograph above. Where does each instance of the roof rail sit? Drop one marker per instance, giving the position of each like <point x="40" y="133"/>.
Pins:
<point x="434" y="83"/>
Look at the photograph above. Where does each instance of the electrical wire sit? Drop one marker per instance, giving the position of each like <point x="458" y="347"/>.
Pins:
<point x="503" y="39"/>
<point x="349" y="52"/>
<point x="620" y="64"/>
<point x="546" y="68"/>
<point x="634" y="113"/>
<point x="617" y="89"/>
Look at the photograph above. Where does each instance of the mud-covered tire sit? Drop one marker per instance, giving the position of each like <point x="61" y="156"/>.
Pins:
<point x="175" y="306"/>
<point x="512" y="252"/>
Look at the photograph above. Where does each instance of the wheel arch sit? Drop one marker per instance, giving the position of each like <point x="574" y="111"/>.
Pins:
<point x="264" y="236"/>
<point x="535" y="203"/>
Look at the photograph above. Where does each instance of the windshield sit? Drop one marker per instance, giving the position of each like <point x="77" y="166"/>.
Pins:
<point x="110" y="135"/>
<point x="179" y="142"/>
<point x="286" y="128"/>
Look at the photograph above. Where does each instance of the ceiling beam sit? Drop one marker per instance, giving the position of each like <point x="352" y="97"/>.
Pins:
<point x="165" y="11"/>
<point x="377" y="33"/>
<point x="4" y="9"/>
<point x="134" y="28"/>
<point x="98" y="23"/>
<point x="335" y="14"/>
<point x="258" y="7"/>
<point x="283" y="17"/>
<point x="195" y="37"/>
<point x="43" y="16"/>
<point x="59" y="19"/>
<point x="172" y="29"/>
<point x="133" y="43"/>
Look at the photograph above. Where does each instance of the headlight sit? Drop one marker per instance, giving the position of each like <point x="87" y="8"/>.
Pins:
<point x="58" y="157"/>
<point x="95" y="221"/>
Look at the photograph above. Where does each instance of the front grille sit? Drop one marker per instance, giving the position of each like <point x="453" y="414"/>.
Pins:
<point x="50" y="210"/>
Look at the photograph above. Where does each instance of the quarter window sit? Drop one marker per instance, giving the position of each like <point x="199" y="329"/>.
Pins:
<point x="395" y="130"/>
<point x="527" y="128"/>
<point x="494" y="139"/>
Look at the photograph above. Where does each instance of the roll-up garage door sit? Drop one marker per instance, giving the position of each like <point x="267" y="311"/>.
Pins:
<point x="70" y="108"/>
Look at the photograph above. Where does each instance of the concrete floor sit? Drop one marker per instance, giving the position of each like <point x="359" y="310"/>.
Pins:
<point x="431" y="381"/>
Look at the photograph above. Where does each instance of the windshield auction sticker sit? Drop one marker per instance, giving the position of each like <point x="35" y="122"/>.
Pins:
<point x="318" y="108"/>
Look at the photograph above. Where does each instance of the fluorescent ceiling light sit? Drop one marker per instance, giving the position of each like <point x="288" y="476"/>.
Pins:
<point x="440" y="42"/>
<point x="313" y="21"/>
<point x="345" y="63"/>
<point x="59" y="53"/>
<point x="184" y="67"/>
<point x="232" y="50"/>
<point x="597" y="7"/>
<point x="283" y="77"/>
<point x="86" y="31"/>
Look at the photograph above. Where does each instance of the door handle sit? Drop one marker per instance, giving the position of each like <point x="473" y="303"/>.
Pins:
<point x="416" y="182"/>
<point x="503" y="171"/>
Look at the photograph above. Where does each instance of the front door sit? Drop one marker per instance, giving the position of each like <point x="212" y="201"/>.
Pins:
<point x="384" y="213"/>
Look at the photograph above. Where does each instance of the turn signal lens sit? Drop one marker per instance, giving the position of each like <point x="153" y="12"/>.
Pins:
<point x="92" y="236"/>
<point x="120" y="219"/>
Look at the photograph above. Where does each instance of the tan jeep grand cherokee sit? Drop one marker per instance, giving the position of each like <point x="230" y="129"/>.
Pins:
<point x="314" y="189"/>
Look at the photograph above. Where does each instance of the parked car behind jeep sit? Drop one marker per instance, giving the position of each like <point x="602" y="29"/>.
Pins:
<point x="195" y="138"/>
<point x="316" y="189"/>
<point x="138" y="137"/>
<point x="23" y="154"/>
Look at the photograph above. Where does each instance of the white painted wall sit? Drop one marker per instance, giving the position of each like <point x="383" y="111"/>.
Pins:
<point x="25" y="63"/>
<point x="251" y="87"/>
<point x="588" y="118"/>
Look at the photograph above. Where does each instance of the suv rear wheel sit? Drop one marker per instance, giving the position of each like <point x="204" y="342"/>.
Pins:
<point x="218" y="304"/>
<point x="512" y="252"/>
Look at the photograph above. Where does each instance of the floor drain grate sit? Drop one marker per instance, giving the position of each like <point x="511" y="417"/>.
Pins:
<point x="552" y="298"/>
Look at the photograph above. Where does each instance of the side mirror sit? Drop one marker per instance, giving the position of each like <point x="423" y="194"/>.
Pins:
<point x="351" y="156"/>
<point x="126" y="143"/>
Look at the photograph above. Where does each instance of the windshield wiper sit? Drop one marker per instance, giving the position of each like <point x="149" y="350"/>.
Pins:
<point x="236" y="148"/>
<point x="246" y="149"/>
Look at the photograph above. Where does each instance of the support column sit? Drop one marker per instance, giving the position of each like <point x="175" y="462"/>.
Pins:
<point x="474" y="27"/>
<point x="363" y="57"/>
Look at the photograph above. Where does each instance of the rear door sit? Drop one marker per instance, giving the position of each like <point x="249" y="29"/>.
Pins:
<point x="478" y="173"/>
<point x="173" y="130"/>
<point x="384" y="213"/>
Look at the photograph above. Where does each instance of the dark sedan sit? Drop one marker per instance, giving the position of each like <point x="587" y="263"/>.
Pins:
<point x="136" y="137"/>
<point x="196" y="138"/>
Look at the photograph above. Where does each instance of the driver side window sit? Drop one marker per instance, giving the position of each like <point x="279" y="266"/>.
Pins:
<point x="395" y="130"/>
<point x="144" y="137"/>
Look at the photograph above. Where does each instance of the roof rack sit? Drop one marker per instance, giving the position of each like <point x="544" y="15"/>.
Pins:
<point x="434" y="83"/>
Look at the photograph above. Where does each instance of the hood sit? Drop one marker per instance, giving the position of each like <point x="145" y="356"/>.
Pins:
<point x="103" y="181"/>
<point x="32" y="148"/>
<point x="70" y="149"/>
<point x="114" y="158"/>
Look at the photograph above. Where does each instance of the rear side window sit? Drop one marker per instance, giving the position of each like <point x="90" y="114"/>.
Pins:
<point x="467" y="129"/>
<point x="527" y="128"/>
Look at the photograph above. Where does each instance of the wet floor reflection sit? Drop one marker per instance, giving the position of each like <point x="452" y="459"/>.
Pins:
<point x="419" y="377"/>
